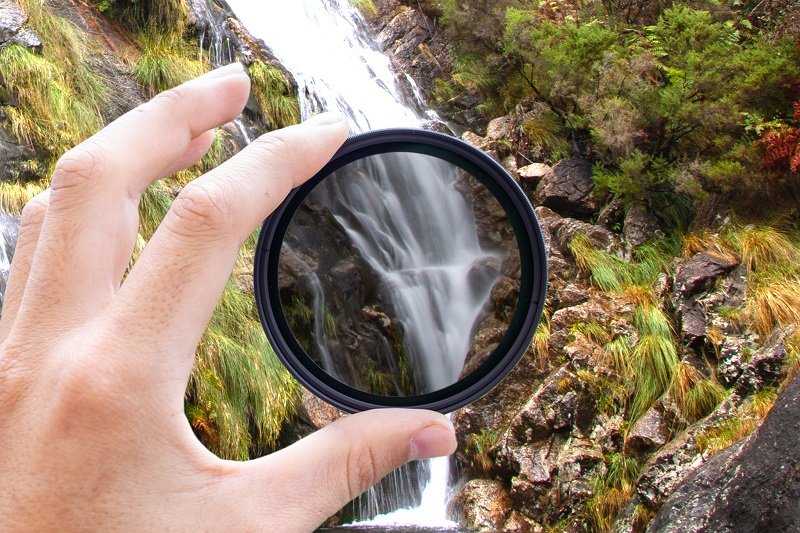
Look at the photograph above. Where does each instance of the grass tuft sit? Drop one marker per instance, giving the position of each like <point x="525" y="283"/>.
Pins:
<point x="166" y="61"/>
<point x="275" y="95"/>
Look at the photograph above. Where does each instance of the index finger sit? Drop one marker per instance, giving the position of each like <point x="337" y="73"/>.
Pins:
<point x="169" y="295"/>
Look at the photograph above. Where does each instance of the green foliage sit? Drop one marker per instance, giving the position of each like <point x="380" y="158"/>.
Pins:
<point x="611" y="492"/>
<point x="722" y="435"/>
<point x="160" y="15"/>
<point x="478" y="450"/>
<point x="275" y="95"/>
<point x="612" y="273"/>
<point x="541" y="340"/>
<point x="166" y="61"/>
<point x="367" y="7"/>
<point x="239" y="394"/>
<point x="662" y="95"/>
<point x="56" y="98"/>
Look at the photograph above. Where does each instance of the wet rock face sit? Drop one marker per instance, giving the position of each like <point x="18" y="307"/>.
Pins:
<point x="753" y="486"/>
<point x="568" y="189"/>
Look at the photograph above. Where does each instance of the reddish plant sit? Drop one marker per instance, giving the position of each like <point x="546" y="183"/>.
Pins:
<point x="782" y="145"/>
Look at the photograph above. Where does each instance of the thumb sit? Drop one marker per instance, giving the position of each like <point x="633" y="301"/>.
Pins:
<point x="315" y="477"/>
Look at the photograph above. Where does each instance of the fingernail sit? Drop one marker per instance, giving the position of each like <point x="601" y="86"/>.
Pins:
<point x="228" y="70"/>
<point x="325" y="119"/>
<point x="433" y="441"/>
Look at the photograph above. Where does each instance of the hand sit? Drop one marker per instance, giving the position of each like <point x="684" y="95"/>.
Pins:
<point x="93" y="370"/>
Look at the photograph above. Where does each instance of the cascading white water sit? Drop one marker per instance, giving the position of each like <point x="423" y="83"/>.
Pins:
<point x="325" y="44"/>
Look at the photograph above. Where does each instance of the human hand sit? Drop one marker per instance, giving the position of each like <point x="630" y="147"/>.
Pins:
<point x="93" y="370"/>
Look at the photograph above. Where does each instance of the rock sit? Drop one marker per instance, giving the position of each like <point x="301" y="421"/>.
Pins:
<point x="640" y="226"/>
<point x="569" y="188"/>
<point x="534" y="171"/>
<point x="500" y="128"/>
<point x="767" y="366"/>
<point x="16" y="161"/>
<point x="12" y="30"/>
<point x="650" y="432"/>
<point x="481" y="505"/>
<point x="572" y="295"/>
<point x="474" y="139"/>
<point x="692" y="321"/>
<point x="752" y="486"/>
<point x="665" y="470"/>
<point x="700" y="271"/>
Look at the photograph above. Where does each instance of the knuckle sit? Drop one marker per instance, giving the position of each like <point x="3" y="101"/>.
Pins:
<point x="202" y="209"/>
<point x="78" y="167"/>
<point x="275" y="144"/>
<point x="170" y="98"/>
<point x="34" y="211"/>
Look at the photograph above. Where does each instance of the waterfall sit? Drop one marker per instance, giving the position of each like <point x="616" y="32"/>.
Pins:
<point x="327" y="46"/>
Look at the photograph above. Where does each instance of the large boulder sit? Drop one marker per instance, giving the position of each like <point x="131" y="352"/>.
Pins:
<point x="481" y="505"/>
<point x="569" y="188"/>
<point x="752" y="486"/>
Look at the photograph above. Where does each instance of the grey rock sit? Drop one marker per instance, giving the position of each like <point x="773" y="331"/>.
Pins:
<point x="15" y="158"/>
<point x="569" y="188"/>
<point x="640" y="226"/>
<point x="753" y="486"/>
<point x="12" y="18"/>
<point x="767" y="366"/>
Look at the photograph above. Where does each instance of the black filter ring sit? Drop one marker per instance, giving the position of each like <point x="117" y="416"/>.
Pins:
<point x="533" y="279"/>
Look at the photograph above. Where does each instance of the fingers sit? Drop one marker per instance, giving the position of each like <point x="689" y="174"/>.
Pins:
<point x="194" y="153"/>
<point x="29" y="229"/>
<point x="90" y="228"/>
<point x="169" y="295"/>
<point x="317" y="476"/>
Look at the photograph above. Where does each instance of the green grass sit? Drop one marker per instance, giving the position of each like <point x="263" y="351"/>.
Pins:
<point x="611" y="492"/>
<point x="773" y="298"/>
<point x="239" y="394"/>
<point x="541" y="340"/>
<point x="14" y="196"/>
<point x="367" y="7"/>
<point x="274" y="94"/>
<point x="611" y="273"/>
<point x="478" y="451"/>
<point x="762" y="247"/>
<point x="722" y="435"/>
<point x="58" y="99"/>
<point x="166" y="61"/>
<point x="593" y="332"/>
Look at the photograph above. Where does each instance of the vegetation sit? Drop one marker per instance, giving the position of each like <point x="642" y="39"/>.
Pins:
<point x="478" y="452"/>
<point x="677" y="103"/>
<point x="274" y="94"/>
<point x="612" y="491"/>
<point x="165" y="61"/>
<point x="55" y="99"/>
<point x="367" y="7"/>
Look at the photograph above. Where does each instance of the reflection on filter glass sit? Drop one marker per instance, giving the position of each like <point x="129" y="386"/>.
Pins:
<point x="399" y="274"/>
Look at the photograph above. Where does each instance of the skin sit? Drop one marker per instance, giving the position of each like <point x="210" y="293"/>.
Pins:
<point x="93" y="370"/>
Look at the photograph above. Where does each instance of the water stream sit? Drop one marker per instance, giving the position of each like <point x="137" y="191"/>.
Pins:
<point x="328" y="48"/>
